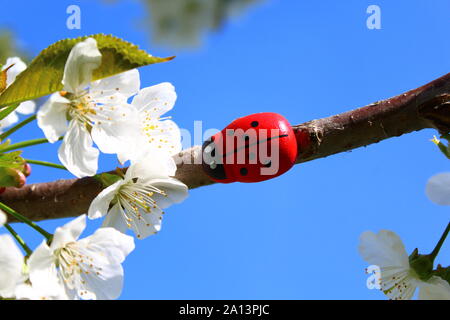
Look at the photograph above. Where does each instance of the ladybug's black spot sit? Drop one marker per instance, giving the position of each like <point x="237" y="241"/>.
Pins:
<point x="254" y="124"/>
<point x="244" y="171"/>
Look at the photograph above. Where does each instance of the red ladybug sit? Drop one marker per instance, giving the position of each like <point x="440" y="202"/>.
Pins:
<point x="254" y="148"/>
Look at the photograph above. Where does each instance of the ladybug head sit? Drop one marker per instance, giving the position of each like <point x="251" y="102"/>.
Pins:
<point x="212" y="163"/>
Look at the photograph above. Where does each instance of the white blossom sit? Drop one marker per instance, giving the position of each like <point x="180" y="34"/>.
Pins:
<point x="90" y="268"/>
<point x="398" y="280"/>
<point x="15" y="66"/>
<point x="2" y="218"/>
<point x="11" y="264"/>
<point x="97" y="111"/>
<point x="137" y="200"/>
<point x="25" y="291"/>
<point x="438" y="189"/>
<point x="155" y="131"/>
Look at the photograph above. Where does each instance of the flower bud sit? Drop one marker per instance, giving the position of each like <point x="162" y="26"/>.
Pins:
<point x="10" y="177"/>
<point x="26" y="169"/>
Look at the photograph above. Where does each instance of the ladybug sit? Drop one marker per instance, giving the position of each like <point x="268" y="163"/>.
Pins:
<point x="254" y="148"/>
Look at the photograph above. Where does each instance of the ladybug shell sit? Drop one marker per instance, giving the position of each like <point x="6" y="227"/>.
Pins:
<point x="254" y="148"/>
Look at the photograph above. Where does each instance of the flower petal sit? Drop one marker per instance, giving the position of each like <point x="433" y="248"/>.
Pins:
<point x="26" y="107"/>
<point x="114" y="244"/>
<point x="156" y="100"/>
<point x="25" y="291"/>
<point x="176" y="191"/>
<point x="116" y="88"/>
<point x="115" y="219"/>
<point x="70" y="232"/>
<point x="148" y="223"/>
<point x="83" y="59"/>
<point x="384" y="249"/>
<point x="11" y="262"/>
<point x="100" y="205"/>
<point x="435" y="288"/>
<point x="76" y="152"/>
<point x="150" y="166"/>
<point x="2" y="218"/>
<point x="438" y="189"/>
<point x="18" y="67"/>
<point x="164" y="135"/>
<point x="9" y="120"/>
<point x="42" y="269"/>
<point x="118" y="135"/>
<point x="106" y="249"/>
<point x="51" y="117"/>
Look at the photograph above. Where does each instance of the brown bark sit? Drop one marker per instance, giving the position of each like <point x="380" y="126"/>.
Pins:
<point x="424" y="107"/>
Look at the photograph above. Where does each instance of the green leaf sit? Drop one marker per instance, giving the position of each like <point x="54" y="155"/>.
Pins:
<point x="43" y="76"/>
<point x="6" y="111"/>
<point x="3" y="80"/>
<point x="12" y="160"/>
<point x="5" y="144"/>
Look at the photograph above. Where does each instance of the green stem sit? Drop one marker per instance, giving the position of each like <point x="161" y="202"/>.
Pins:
<point x="45" y="163"/>
<point x="20" y="217"/>
<point x="19" y="239"/>
<point x="435" y="252"/>
<point x="24" y="144"/>
<point x="16" y="127"/>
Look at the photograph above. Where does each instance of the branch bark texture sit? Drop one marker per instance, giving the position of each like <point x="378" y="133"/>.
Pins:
<point x="424" y="107"/>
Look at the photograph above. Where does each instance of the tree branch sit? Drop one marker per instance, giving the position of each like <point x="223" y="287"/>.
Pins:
<point x="424" y="107"/>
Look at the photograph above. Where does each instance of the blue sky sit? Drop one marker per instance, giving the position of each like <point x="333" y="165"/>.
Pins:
<point x="294" y="237"/>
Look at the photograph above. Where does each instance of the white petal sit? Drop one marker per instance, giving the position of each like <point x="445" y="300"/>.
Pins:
<point x="104" y="286"/>
<point x="116" y="136"/>
<point x="83" y="59"/>
<point x="176" y="191"/>
<point x="116" y="88"/>
<point x="106" y="249"/>
<point x="12" y="72"/>
<point x="2" y="218"/>
<point x="51" y="117"/>
<point x="9" y="120"/>
<point x="438" y="189"/>
<point x="115" y="219"/>
<point x="152" y="165"/>
<point x="164" y="135"/>
<point x="155" y="100"/>
<point x="70" y="232"/>
<point x="76" y="152"/>
<point x="100" y="205"/>
<point x="11" y="263"/>
<point x="26" y="107"/>
<point x="384" y="249"/>
<point x="110" y="242"/>
<point x="42" y="268"/>
<point x="25" y="291"/>
<point x="435" y="288"/>
<point x="148" y="224"/>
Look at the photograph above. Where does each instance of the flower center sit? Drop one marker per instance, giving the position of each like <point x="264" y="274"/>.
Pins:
<point x="397" y="283"/>
<point x="136" y="200"/>
<point x="154" y="131"/>
<point x="74" y="264"/>
<point x="85" y="110"/>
